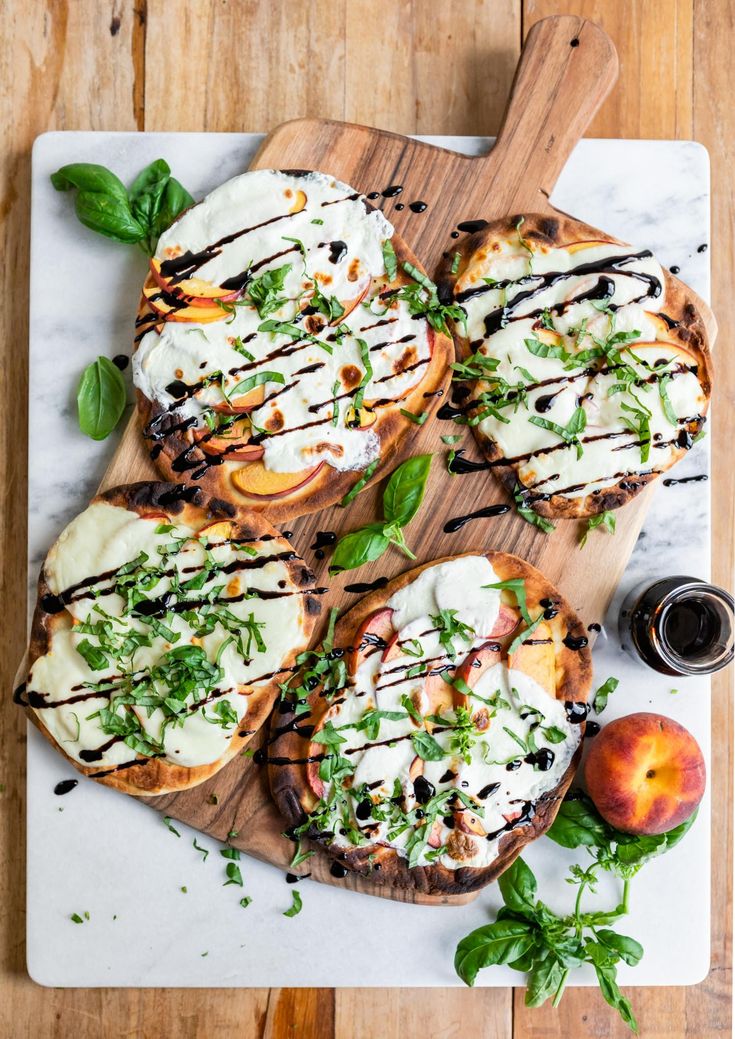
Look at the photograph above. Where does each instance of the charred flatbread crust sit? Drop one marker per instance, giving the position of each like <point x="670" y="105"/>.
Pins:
<point x="688" y="331"/>
<point x="295" y="798"/>
<point x="156" y="775"/>
<point x="329" y="486"/>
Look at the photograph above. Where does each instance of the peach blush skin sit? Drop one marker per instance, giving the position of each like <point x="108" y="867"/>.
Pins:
<point x="645" y="773"/>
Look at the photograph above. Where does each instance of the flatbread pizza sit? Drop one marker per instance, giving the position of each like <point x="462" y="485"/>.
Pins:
<point x="165" y="620"/>
<point x="585" y="366"/>
<point x="440" y="727"/>
<point x="287" y="342"/>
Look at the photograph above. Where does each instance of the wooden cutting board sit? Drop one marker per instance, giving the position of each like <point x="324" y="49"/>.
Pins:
<point x="567" y="67"/>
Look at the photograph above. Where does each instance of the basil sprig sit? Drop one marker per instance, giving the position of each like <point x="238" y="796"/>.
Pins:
<point x="528" y="936"/>
<point x="138" y="215"/>
<point x="604" y="519"/>
<point x="402" y="499"/>
<point x="100" y="398"/>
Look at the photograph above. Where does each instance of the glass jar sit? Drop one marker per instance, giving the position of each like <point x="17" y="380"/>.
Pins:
<point x="679" y="626"/>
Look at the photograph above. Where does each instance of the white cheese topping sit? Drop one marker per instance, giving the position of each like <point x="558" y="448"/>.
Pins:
<point x="587" y="388"/>
<point x="152" y="667"/>
<point x="304" y="231"/>
<point x="484" y="750"/>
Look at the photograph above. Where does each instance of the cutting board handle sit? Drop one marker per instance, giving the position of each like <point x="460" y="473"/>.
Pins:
<point x="566" y="70"/>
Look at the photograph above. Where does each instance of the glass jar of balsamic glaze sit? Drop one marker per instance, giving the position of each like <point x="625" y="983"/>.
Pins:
<point x="679" y="626"/>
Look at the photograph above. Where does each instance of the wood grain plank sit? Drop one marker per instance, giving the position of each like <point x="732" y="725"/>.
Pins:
<point x="247" y="66"/>
<point x="447" y="68"/>
<point x="413" y="1013"/>
<point x="653" y="97"/>
<point x="62" y="66"/>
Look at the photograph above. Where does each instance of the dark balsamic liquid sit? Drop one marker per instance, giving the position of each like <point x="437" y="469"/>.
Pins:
<point x="453" y="525"/>
<point x="361" y="587"/>
<point x="471" y="226"/>
<point x="418" y="206"/>
<point x="672" y="482"/>
<point x="65" y="786"/>
<point x="324" y="539"/>
<point x="575" y="642"/>
<point x="678" y="623"/>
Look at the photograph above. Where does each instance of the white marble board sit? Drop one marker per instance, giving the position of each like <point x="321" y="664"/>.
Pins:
<point x="99" y="851"/>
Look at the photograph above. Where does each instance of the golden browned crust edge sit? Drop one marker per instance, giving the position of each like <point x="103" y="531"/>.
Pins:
<point x="154" y="775"/>
<point x="294" y="797"/>
<point x="329" y="486"/>
<point x="690" y="334"/>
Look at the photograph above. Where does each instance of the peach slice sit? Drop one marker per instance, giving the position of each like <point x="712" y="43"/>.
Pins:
<point x="578" y="247"/>
<point x="645" y="773"/>
<point x="195" y="289"/>
<point x="476" y="664"/>
<point x="255" y="481"/>
<point x="468" y="822"/>
<point x="366" y="418"/>
<point x="537" y="658"/>
<point x="245" y="402"/>
<point x="201" y="315"/>
<point x="317" y="749"/>
<point x="232" y="443"/>
<point x="507" y="621"/>
<point x="299" y="202"/>
<point x="219" y="530"/>
<point x="374" y="632"/>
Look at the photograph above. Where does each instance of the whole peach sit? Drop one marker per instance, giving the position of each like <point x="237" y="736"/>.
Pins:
<point x="645" y="773"/>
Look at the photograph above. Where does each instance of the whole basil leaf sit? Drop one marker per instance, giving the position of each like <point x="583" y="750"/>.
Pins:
<point x="543" y="981"/>
<point x="641" y="849"/>
<point x="101" y="398"/>
<point x="628" y="949"/>
<point x="405" y="490"/>
<point x="518" y="888"/>
<point x="87" y="176"/>
<point x="146" y="193"/>
<point x="358" y="547"/>
<point x="151" y="181"/>
<point x="675" y="835"/>
<point x="426" y="747"/>
<point x="109" y="216"/>
<point x="578" y="823"/>
<point x="607" y="980"/>
<point x="502" y="942"/>
<point x="174" y="201"/>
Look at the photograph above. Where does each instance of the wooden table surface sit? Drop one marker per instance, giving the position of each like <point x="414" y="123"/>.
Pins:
<point x="414" y="66"/>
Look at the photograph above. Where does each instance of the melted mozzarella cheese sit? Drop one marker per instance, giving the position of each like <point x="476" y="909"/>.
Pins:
<point x="390" y="760"/>
<point x="96" y="545"/>
<point x="252" y="222"/>
<point x="541" y="313"/>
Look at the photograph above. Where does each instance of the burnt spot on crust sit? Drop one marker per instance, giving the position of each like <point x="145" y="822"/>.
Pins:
<point x="549" y="227"/>
<point x="218" y="507"/>
<point x="689" y="314"/>
<point x="312" y="606"/>
<point x="303" y="577"/>
<point x="170" y="497"/>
